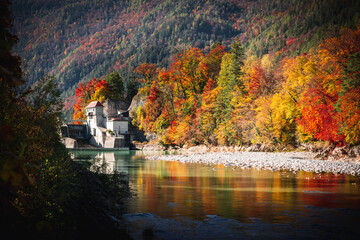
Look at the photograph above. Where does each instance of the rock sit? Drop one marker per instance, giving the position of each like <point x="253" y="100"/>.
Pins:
<point x="351" y="153"/>
<point x="325" y="152"/>
<point x="254" y="148"/>
<point x="237" y="148"/>
<point x="338" y="152"/>
<point x="356" y="151"/>
<point x="153" y="147"/>
<point x="262" y="148"/>
<point x="137" y="101"/>
<point x="266" y="148"/>
<point x="291" y="161"/>
<point x="151" y="136"/>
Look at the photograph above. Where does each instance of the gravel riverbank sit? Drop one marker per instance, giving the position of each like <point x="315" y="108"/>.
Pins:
<point x="291" y="161"/>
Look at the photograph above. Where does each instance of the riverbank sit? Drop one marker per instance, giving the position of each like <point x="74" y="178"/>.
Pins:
<point x="274" y="161"/>
<point x="320" y="151"/>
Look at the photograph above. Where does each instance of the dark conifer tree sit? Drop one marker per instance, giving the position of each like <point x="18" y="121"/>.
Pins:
<point x="116" y="85"/>
<point x="131" y="89"/>
<point x="237" y="53"/>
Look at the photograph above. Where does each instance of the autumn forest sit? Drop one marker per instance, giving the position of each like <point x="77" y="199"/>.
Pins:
<point x="205" y="72"/>
<point x="280" y="73"/>
<point x="91" y="39"/>
<point x="227" y="98"/>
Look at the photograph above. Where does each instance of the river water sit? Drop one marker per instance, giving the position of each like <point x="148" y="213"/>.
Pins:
<point x="176" y="200"/>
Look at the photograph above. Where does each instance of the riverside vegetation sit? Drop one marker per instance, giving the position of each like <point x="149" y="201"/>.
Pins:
<point x="217" y="72"/>
<point x="276" y="84"/>
<point x="43" y="193"/>
<point x="229" y="98"/>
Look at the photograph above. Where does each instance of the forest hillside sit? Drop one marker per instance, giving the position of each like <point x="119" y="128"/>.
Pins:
<point x="217" y="72"/>
<point x="78" y="40"/>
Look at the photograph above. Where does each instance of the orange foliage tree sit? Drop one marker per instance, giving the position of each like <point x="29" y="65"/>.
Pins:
<point x="148" y="73"/>
<point x="95" y="90"/>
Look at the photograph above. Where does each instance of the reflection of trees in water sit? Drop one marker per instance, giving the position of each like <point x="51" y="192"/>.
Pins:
<point x="170" y="188"/>
<point x="104" y="162"/>
<point x="196" y="190"/>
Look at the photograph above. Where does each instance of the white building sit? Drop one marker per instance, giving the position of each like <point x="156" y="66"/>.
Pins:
<point x="108" y="131"/>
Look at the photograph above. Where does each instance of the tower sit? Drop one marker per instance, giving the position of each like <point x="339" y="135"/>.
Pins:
<point x="95" y="116"/>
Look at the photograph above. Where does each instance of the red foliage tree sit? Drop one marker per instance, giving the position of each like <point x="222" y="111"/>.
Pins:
<point x="95" y="90"/>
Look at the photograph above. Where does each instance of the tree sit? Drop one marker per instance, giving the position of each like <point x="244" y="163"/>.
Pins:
<point x="333" y="72"/>
<point x="187" y="73"/>
<point x="148" y="72"/>
<point x="206" y="112"/>
<point x="285" y="102"/>
<point x="153" y="107"/>
<point x="10" y="71"/>
<point x="131" y="89"/>
<point x="216" y="44"/>
<point x="40" y="186"/>
<point x="318" y="116"/>
<point x="95" y="90"/>
<point x="12" y="172"/>
<point x="226" y="84"/>
<point x="348" y="104"/>
<point x="116" y="85"/>
<point x="101" y="91"/>
<point x="212" y="62"/>
<point x="237" y="54"/>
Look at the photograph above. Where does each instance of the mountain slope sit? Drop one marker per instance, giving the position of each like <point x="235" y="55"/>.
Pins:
<point x="77" y="40"/>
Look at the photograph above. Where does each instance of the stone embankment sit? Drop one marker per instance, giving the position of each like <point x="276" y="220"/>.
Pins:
<point x="350" y="154"/>
<point x="291" y="161"/>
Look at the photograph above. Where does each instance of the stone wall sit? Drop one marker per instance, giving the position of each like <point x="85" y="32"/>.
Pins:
<point x="69" y="142"/>
<point x="99" y="138"/>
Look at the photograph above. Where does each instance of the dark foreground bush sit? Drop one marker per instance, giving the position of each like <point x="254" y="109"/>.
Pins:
<point x="68" y="202"/>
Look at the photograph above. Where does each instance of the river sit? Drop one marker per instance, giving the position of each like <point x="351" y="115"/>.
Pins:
<point x="176" y="200"/>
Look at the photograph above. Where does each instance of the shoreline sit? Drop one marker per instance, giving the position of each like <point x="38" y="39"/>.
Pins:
<point x="273" y="161"/>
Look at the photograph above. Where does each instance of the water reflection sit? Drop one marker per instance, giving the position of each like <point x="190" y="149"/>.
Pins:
<point x="109" y="162"/>
<point x="170" y="188"/>
<point x="173" y="189"/>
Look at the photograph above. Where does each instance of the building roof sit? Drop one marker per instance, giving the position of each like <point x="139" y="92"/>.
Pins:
<point x="94" y="104"/>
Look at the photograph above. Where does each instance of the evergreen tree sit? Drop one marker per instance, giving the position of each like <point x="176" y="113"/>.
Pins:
<point x="237" y="54"/>
<point x="226" y="83"/>
<point x="116" y="85"/>
<point x="218" y="43"/>
<point x="131" y="89"/>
